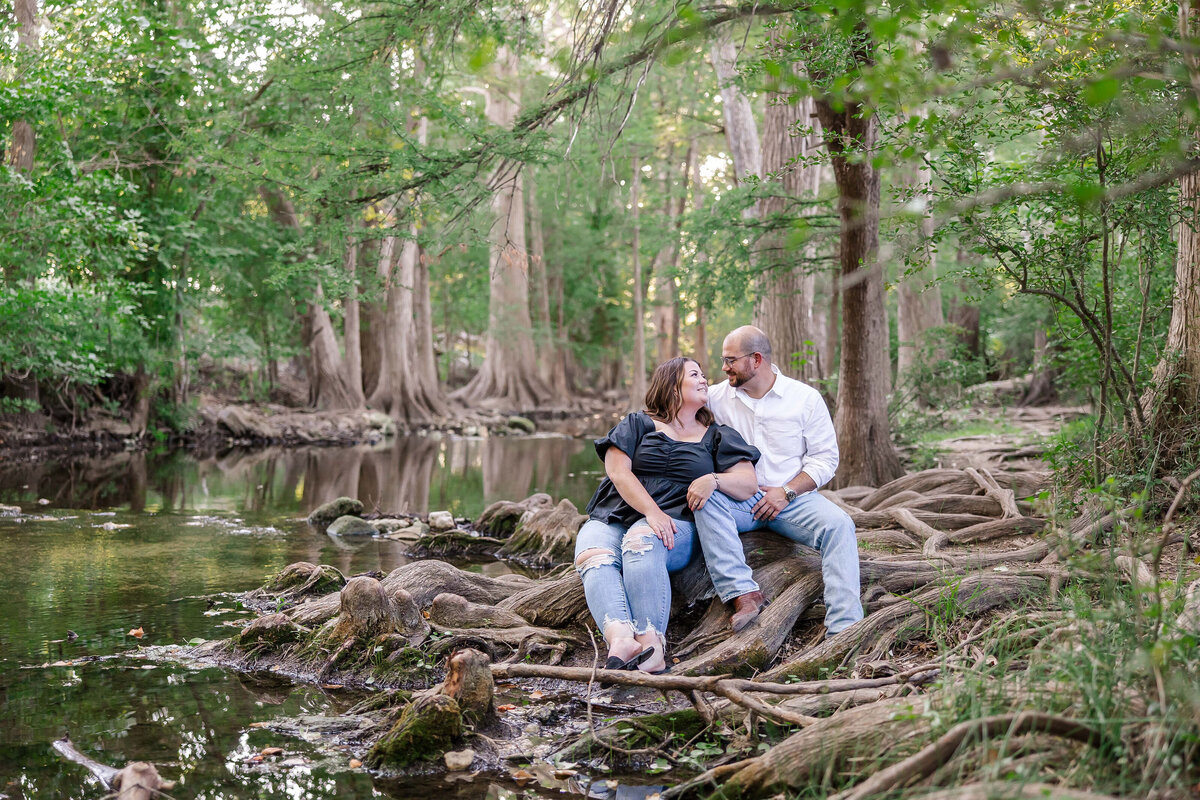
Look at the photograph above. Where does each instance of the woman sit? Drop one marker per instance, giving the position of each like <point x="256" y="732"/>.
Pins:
<point x="662" y="463"/>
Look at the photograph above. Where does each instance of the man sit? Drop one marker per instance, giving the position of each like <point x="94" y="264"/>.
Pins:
<point x="788" y="422"/>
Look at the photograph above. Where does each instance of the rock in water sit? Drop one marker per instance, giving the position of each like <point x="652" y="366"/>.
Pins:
<point x="441" y="521"/>
<point x="351" y="526"/>
<point x="343" y="506"/>
<point x="459" y="760"/>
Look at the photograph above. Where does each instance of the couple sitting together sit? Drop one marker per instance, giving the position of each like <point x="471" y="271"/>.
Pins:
<point x="690" y="473"/>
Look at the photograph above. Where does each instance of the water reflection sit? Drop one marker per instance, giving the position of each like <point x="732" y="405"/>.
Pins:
<point x="413" y="474"/>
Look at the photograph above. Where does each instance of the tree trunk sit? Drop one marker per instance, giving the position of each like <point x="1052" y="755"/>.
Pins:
<point x="1173" y="400"/>
<point x="327" y="388"/>
<point x="551" y="367"/>
<point x="783" y="287"/>
<point x="1042" y="390"/>
<point x="918" y="298"/>
<point x="699" y="259"/>
<point x="20" y="157"/>
<point x="637" y="390"/>
<point x="664" y="316"/>
<point x="353" y="328"/>
<point x="24" y="140"/>
<point x="507" y="378"/>
<point x="741" y="132"/>
<point x="963" y="315"/>
<point x="868" y="456"/>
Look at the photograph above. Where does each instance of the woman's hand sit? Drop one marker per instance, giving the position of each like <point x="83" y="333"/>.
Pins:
<point x="662" y="526"/>
<point x="700" y="490"/>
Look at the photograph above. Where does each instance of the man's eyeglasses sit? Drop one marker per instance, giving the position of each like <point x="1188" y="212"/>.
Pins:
<point x="728" y="360"/>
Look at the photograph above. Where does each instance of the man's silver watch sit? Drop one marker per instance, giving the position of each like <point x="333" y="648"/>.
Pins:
<point x="789" y="493"/>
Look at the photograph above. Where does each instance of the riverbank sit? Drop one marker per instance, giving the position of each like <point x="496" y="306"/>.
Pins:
<point x="218" y="424"/>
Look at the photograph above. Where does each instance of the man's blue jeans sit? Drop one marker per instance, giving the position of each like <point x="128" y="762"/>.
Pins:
<point x="625" y="580"/>
<point x="811" y="520"/>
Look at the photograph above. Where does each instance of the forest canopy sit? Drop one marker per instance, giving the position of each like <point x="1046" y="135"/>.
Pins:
<point x="414" y="205"/>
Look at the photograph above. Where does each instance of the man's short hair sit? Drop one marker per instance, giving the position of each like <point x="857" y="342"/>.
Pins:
<point x="757" y="342"/>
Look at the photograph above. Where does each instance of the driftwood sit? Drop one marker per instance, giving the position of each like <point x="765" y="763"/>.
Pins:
<point x="136" y="781"/>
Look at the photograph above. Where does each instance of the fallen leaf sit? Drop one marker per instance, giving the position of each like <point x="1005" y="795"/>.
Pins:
<point x="522" y="777"/>
<point x="536" y="694"/>
<point x="137" y="632"/>
<point x="259" y="724"/>
<point x="271" y="751"/>
<point x="565" y="773"/>
<point x="254" y="760"/>
<point x="332" y="685"/>
<point x="425" y="614"/>
<point x="355" y="763"/>
<point x="505" y="707"/>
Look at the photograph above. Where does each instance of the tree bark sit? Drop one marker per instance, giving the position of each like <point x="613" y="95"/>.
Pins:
<point x="551" y="367"/>
<point x="327" y="388"/>
<point x="507" y="377"/>
<point x="665" y="306"/>
<point x="741" y="131"/>
<point x="918" y="299"/>
<point x="868" y="456"/>
<point x="637" y="390"/>
<point x="24" y="140"/>
<point x="784" y="288"/>
<point x="352" y="335"/>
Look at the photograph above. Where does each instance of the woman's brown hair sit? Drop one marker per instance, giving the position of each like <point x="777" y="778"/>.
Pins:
<point x="663" y="398"/>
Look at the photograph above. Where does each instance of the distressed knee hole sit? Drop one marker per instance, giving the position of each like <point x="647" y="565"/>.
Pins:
<point x="594" y="557"/>
<point x="638" y="540"/>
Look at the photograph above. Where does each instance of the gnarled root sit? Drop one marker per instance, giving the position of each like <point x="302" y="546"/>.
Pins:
<point x="453" y="611"/>
<point x="545" y="537"/>
<point x="501" y="518"/>
<point x="852" y="736"/>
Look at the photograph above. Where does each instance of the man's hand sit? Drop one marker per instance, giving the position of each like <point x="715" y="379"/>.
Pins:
<point x="770" y="504"/>
<point x="700" y="490"/>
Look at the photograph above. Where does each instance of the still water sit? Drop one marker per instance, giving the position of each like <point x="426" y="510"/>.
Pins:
<point x="109" y="545"/>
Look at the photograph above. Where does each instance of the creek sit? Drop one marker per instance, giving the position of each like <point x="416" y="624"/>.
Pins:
<point x="159" y="543"/>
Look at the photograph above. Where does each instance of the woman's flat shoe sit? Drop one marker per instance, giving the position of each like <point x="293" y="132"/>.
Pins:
<point x="614" y="662"/>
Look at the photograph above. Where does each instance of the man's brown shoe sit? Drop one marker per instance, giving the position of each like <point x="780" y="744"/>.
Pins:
<point x="746" y="608"/>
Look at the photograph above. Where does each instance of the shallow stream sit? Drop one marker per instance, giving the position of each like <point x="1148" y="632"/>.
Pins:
<point x="109" y="546"/>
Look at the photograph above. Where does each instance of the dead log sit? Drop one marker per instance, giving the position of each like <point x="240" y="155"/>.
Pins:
<point x="898" y="499"/>
<point x="547" y="536"/>
<point x="853" y="737"/>
<point x="137" y="781"/>
<point x="501" y="518"/>
<point x="269" y="632"/>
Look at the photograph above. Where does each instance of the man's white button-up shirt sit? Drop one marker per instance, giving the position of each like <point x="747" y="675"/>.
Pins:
<point x="790" y="425"/>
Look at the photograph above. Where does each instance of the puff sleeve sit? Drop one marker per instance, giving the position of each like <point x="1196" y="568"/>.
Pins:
<point x="626" y="434"/>
<point x="729" y="448"/>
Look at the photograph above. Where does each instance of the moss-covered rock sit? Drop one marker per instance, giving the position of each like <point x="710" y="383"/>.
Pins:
<point x="425" y="731"/>
<point x="350" y="525"/>
<point x="522" y="424"/>
<point x="327" y="513"/>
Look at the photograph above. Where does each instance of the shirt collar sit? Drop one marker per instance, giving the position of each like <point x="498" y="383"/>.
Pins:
<point x="773" y="390"/>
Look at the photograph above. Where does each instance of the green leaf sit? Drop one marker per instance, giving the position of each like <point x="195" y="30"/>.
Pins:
<point x="1102" y="91"/>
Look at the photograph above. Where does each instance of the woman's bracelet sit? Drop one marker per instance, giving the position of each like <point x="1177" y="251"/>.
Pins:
<point x="716" y="483"/>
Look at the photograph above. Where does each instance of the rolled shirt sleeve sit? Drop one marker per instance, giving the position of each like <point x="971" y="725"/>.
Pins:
<point x="821" y="455"/>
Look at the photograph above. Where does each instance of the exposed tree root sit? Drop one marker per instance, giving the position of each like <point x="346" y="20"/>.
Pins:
<point x="930" y="758"/>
